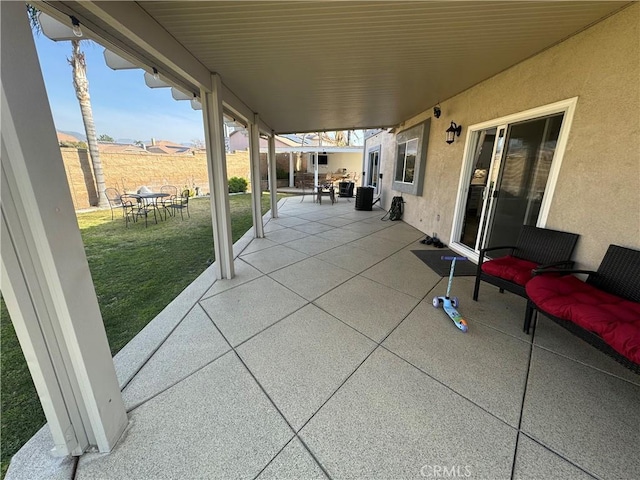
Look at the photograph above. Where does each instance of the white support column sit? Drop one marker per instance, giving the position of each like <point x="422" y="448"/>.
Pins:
<point x="256" y="190"/>
<point x="45" y="279"/>
<point x="315" y="169"/>
<point x="212" y="111"/>
<point x="273" y="177"/>
<point x="291" y="171"/>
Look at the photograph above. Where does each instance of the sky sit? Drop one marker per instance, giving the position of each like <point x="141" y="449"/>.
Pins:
<point x="123" y="106"/>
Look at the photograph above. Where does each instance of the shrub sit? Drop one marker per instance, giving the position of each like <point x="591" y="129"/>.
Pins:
<point x="237" y="185"/>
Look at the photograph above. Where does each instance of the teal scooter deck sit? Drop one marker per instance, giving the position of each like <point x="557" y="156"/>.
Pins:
<point x="449" y="303"/>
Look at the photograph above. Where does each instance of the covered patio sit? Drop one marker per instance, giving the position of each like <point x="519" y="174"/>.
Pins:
<point x="310" y="348"/>
<point x="324" y="358"/>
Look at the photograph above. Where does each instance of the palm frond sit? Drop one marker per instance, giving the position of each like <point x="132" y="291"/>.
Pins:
<point x="32" y="13"/>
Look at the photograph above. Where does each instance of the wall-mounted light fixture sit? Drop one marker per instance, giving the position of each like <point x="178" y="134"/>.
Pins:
<point x="156" y="75"/>
<point x="437" y="111"/>
<point x="75" y="26"/>
<point x="453" y="131"/>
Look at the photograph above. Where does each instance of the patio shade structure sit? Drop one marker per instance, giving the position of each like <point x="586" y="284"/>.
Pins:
<point x="277" y="67"/>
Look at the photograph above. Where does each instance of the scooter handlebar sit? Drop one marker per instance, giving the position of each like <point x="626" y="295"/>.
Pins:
<point x="453" y="258"/>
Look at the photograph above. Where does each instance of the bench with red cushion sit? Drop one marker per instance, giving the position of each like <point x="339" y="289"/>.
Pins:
<point x="604" y="309"/>
<point x="535" y="247"/>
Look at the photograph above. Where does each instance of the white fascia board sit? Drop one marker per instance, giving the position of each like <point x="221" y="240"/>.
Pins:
<point x="316" y="149"/>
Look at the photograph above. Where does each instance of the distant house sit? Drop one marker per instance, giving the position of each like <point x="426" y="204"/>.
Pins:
<point x="239" y="141"/>
<point x="167" y="147"/>
<point x="302" y="154"/>
<point x="108" y="147"/>
<point x="66" y="138"/>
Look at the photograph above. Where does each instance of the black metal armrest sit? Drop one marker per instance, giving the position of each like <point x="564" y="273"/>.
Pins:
<point x="484" y="250"/>
<point x="567" y="264"/>
<point x="561" y="271"/>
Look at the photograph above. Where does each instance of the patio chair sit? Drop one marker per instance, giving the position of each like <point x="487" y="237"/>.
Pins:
<point x="535" y="248"/>
<point x="180" y="203"/>
<point x="115" y="201"/>
<point x="164" y="202"/>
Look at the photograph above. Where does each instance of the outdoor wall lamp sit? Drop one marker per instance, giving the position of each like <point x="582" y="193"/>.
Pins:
<point x="156" y="75"/>
<point x="453" y="131"/>
<point x="75" y="26"/>
<point x="437" y="111"/>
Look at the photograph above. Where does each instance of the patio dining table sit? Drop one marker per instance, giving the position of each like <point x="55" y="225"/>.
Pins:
<point x="150" y="200"/>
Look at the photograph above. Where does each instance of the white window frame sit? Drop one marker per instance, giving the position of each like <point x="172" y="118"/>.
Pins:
<point x="404" y="163"/>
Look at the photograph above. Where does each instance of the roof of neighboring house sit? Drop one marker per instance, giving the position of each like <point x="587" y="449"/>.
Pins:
<point x="120" y="148"/>
<point x="65" y="137"/>
<point x="169" y="149"/>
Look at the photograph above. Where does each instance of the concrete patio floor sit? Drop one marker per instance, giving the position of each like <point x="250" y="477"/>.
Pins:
<point x="324" y="357"/>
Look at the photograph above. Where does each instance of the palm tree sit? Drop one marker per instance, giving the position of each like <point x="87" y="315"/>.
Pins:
<point x="81" y="85"/>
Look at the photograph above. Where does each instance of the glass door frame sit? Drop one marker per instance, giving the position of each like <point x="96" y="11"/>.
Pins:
<point x="370" y="173"/>
<point x="567" y="107"/>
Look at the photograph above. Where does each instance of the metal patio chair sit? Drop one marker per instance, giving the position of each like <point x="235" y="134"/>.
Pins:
<point x="180" y="203"/>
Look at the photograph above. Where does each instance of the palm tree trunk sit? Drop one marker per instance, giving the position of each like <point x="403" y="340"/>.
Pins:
<point x="81" y="84"/>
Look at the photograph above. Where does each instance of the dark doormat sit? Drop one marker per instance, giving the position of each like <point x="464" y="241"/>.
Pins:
<point x="442" y="267"/>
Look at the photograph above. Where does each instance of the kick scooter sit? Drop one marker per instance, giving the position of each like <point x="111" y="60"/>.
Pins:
<point x="451" y="303"/>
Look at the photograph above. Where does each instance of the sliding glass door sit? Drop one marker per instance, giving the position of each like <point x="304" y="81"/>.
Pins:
<point x="506" y="185"/>
<point x="522" y="179"/>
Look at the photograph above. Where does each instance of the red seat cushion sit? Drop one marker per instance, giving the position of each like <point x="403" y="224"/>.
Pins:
<point x="613" y="318"/>
<point x="510" y="268"/>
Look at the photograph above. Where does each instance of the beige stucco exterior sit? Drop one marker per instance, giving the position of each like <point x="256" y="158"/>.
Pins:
<point x="598" y="188"/>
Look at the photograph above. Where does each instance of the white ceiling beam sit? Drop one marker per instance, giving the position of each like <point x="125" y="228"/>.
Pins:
<point x="152" y="82"/>
<point x="116" y="62"/>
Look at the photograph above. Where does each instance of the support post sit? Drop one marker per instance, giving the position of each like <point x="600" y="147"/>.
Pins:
<point x="256" y="190"/>
<point x="291" y="171"/>
<point x="45" y="277"/>
<point x="273" y="176"/>
<point x="212" y="111"/>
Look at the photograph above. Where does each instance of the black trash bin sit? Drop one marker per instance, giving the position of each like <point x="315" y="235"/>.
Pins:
<point x="346" y="189"/>
<point x="364" y="198"/>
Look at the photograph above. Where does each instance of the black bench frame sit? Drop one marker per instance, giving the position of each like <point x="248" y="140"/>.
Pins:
<point x="543" y="246"/>
<point x="618" y="274"/>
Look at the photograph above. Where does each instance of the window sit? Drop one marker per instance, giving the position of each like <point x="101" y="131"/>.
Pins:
<point x="411" y="156"/>
<point x="406" y="161"/>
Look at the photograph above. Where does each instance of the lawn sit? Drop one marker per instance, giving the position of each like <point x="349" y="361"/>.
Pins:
<point x="136" y="271"/>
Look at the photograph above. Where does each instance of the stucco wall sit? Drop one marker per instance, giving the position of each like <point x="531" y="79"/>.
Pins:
<point x="598" y="189"/>
<point x="129" y="171"/>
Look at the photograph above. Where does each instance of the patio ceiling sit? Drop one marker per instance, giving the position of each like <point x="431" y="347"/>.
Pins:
<point x="312" y="66"/>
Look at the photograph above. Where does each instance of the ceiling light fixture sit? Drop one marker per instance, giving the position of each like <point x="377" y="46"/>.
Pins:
<point x="75" y="26"/>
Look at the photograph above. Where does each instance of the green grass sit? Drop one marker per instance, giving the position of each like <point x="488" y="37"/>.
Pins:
<point x="136" y="271"/>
